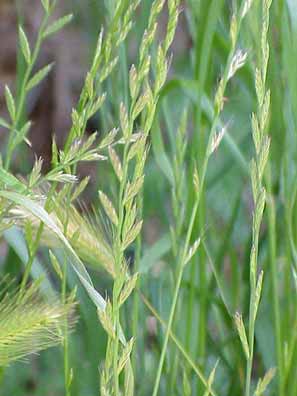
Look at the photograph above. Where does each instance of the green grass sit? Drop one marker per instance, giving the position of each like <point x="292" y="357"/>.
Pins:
<point x="184" y="272"/>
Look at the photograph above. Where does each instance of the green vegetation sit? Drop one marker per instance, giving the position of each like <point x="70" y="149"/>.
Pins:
<point x="181" y="279"/>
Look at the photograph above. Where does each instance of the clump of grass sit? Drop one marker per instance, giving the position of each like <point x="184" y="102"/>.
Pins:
<point x="126" y="221"/>
<point x="127" y="227"/>
<point x="199" y="300"/>
<point x="186" y="250"/>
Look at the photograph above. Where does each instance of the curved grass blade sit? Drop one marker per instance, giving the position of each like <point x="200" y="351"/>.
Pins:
<point x="38" y="211"/>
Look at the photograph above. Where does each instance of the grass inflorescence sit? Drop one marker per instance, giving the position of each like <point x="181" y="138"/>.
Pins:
<point x="181" y="269"/>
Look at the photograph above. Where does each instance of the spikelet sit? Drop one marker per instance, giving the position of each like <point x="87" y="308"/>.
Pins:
<point x="29" y="324"/>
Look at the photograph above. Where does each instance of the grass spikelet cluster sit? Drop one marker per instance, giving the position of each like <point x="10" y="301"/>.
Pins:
<point x="187" y="117"/>
<point x="258" y="164"/>
<point x="29" y="324"/>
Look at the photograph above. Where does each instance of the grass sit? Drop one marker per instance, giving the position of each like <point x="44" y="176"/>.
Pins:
<point x="184" y="270"/>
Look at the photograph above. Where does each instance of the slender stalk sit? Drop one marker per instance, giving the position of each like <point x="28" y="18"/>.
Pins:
<point x="274" y="280"/>
<point x="67" y="376"/>
<point x="136" y="305"/>
<point x="179" y="346"/>
<point x="229" y="71"/>
<point x="32" y="252"/>
<point x="261" y="142"/>
<point x="181" y="266"/>
<point x="118" y="262"/>
<point x="23" y="89"/>
<point x="200" y="73"/>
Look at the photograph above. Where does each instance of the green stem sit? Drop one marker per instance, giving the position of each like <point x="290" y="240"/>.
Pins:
<point x="23" y="91"/>
<point x="118" y="263"/>
<point x="32" y="252"/>
<point x="251" y="345"/>
<point x="179" y="346"/>
<point x="200" y="71"/>
<point x="135" y="318"/>
<point x="274" y="280"/>
<point x="188" y="238"/>
<point x="174" y="300"/>
<point x="67" y="378"/>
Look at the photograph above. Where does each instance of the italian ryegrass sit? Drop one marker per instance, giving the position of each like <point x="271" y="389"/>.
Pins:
<point x="64" y="161"/>
<point x="236" y="59"/>
<point x="45" y="207"/>
<point x="126" y="218"/>
<point x="258" y="164"/>
<point x="18" y="130"/>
